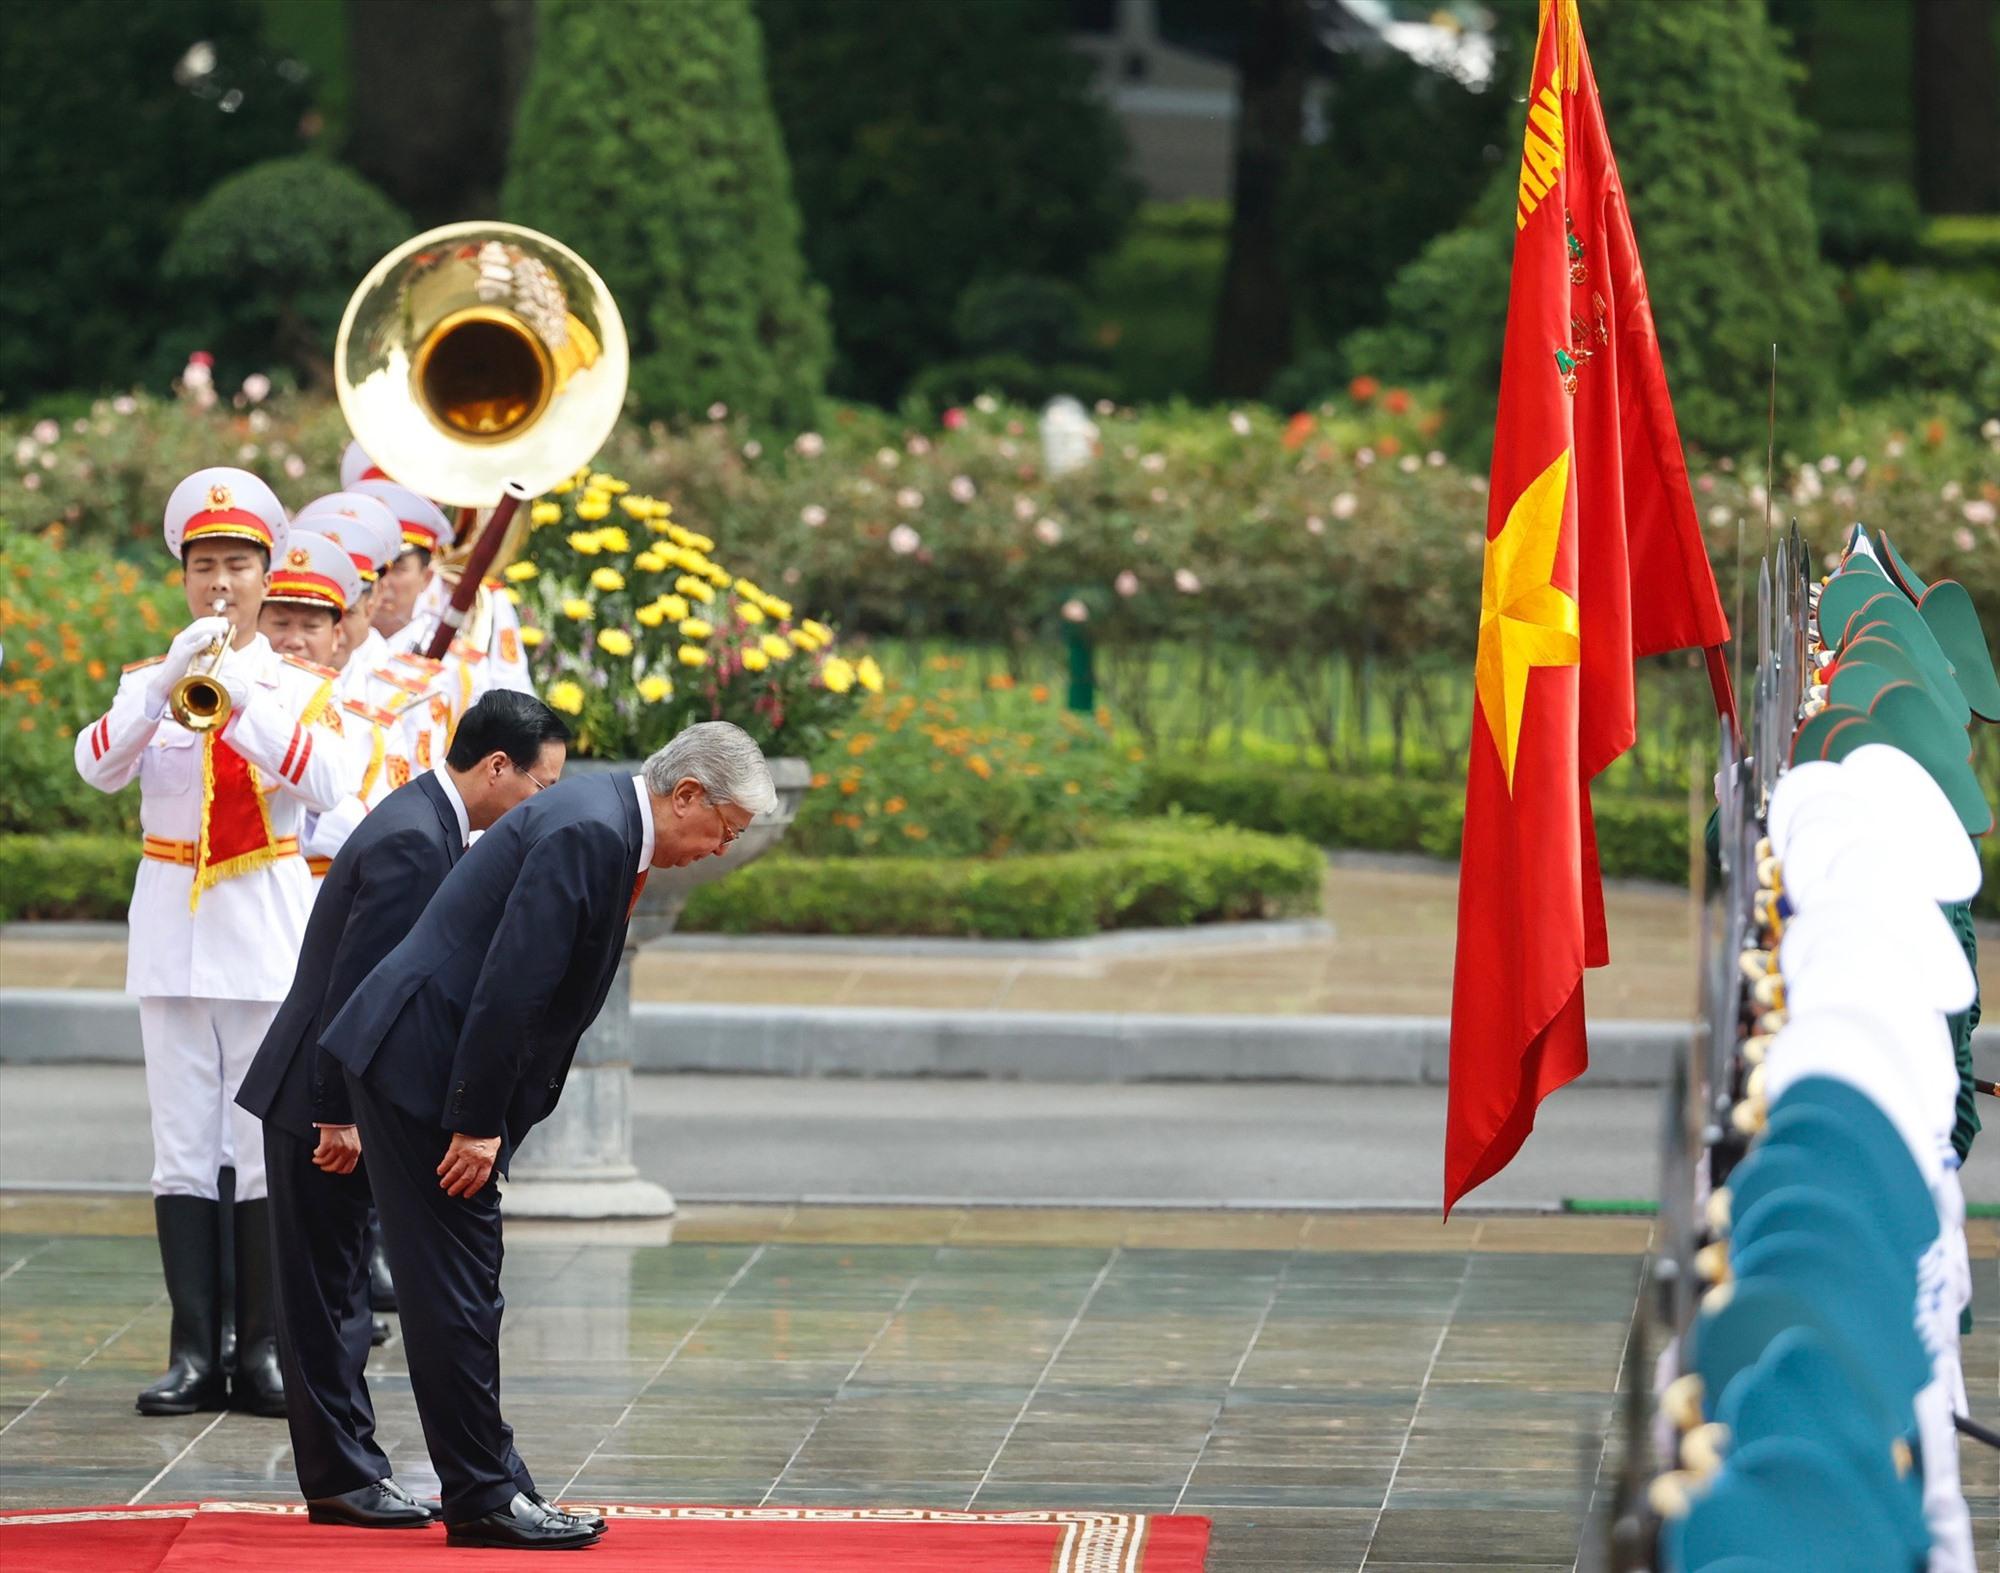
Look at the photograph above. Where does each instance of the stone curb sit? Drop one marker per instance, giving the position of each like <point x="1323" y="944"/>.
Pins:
<point x="80" y="1026"/>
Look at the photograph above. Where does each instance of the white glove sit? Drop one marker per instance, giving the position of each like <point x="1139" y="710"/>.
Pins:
<point x="189" y="643"/>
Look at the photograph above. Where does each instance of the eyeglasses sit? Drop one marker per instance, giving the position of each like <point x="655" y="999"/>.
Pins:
<point x="729" y="832"/>
<point x="540" y="784"/>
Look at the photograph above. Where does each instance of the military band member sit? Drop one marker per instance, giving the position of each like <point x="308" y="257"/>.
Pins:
<point x="425" y="532"/>
<point x="371" y="536"/>
<point x="218" y="909"/>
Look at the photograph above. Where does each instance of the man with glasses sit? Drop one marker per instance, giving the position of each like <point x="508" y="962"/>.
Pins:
<point x="459" y="1043"/>
<point x="507" y="748"/>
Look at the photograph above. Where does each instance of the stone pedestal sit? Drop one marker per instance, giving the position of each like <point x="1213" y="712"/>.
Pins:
<point x="578" y="1162"/>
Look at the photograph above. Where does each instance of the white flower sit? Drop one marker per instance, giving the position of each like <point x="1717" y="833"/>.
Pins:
<point x="47" y="460"/>
<point x="986" y="404"/>
<point x="1951" y="491"/>
<point x="25" y="451"/>
<point x="1725" y="464"/>
<point x="809" y="445"/>
<point x="47" y="431"/>
<point x="256" y="387"/>
<point x="1315" y="525"/>
<point x="1158" y="494"/>
<point x="1476" y="482"/>
<point x="718" y="411"/>
<point x="1024" y="508"/>
<point x="1807" y="486"/>
<point x="1126" y="584"/>
<point x="909" y="498"/>
<point x="1894" y="447"/>
<point x="1153" y="463"/>
<point x="1843" y="496"/>
<point x="1757" y="495"/>
<point x="1408" y="464"/>
<point x="1828" y="464"/>
<point x="259" y="421"/>
<point x="1129" y="451"/>
<point x="196" y="375"/>
<point x="1074" y="611"/>
<point x="1720" y="514"/>
<point x="1344" y="505"/>
<point x="32" y="481"/>
<point x="1979" y="511"/>
<point x="1104" y="407"/>
<point x="918" y="444"/>
<point x="247" y="454"/>
<point x="1047" y="531"/>
<point x="790" y="576"/>
<point x="1186" y="582"/>
<point x="1962" y="538"/>
<point x="753" y="449"/>
<point x="124" y="404"/>
<point x="1435" y="459"/>
<point x="888" y="458"/>
<point x="1239" y="423"/>
<point x="962" y="489"/>
<point x="1990" y="429"/>
<point x="1857" y="467"/>
<point x="80" y="425"/>
<point x="812" y="516"/>
<point x="903" y="540"/>
<point x="1008" y="449"/>
<point x="1704" y="484"/>
<point x="1364" y="457"/>
<point x="295" y="467"/>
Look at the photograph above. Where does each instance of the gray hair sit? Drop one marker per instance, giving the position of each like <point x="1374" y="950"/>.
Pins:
<point x="722" y="757"/>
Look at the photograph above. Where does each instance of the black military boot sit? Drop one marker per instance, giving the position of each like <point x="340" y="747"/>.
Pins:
<point x="257" y="1384"/>
<point x="381" y="1287"/>
<point x="189" y="1228"/>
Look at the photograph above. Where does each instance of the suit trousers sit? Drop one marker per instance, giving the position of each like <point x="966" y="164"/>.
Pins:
<point x="319" y="1264"/>
<point x="444" y="1252"/>
<point x="196" y="1053"/>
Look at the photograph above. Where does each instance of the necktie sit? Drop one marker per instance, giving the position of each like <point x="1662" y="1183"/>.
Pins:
<point x="638" y="886"/>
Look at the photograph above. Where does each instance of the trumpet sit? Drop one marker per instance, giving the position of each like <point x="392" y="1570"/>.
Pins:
<point x="199" y="701"/>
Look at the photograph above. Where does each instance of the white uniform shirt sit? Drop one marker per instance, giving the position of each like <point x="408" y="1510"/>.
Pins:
<point x="242" y="941"/>
<point x="367" y="655"/>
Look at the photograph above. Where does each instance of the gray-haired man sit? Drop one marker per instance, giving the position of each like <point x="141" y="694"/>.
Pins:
<point x="459" y="1042"/>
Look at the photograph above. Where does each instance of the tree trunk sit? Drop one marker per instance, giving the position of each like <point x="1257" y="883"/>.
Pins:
<point x="434" y="91"/>
<point x="1253" y="317"/>
<point x="1955" y="84"/>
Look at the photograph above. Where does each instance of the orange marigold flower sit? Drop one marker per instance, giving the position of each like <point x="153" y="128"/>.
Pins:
<point x="1039" y="693"/>
<point x="96" y="670"/>
<point x="895" y="805"/>
<point x="1362" y="389"/>
<point x="849" y="787"/>
<point x="1297" y="430"/>
<point x="1388" y="446"/>
<point x="1397" y="402"/>
<point x="819" y="778"/>
<point x="915" y="832"/>
<point x="999" y="682"/>
<point x="979" y="767"/>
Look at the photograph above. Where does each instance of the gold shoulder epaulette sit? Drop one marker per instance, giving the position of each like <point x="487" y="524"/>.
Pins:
<point x="422" y="663"/>
<point x="469" y="654"/>
<point x="369" y="712"/>
<point x="409" y="685"/>
<point x="309" y="666"/>
<point x="140" y="666"/>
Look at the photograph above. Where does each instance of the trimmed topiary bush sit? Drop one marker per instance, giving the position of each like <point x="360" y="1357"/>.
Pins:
<point x="647" y="143"/>
<point x="270" y="256"/>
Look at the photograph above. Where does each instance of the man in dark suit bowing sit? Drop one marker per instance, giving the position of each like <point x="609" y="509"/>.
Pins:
<point x="507" y="747"/>
<point x="460" y="1041"/>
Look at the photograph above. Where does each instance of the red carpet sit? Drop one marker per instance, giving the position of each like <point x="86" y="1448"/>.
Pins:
<point x="258" y="1537"/>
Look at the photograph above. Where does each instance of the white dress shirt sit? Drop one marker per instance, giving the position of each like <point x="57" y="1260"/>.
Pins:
<point x="645" y="825"/>
<point x="457" y="806"/>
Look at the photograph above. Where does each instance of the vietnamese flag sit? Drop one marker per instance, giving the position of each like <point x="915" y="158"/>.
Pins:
<point x="1594" y="557"/>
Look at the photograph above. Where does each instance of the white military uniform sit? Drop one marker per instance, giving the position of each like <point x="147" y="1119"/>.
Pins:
<point x="211" y="965"/>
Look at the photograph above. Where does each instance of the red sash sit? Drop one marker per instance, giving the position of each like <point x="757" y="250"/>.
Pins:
<point x="236" y="834"/>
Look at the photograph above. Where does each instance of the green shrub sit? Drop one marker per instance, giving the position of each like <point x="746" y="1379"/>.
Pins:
<point x="957" y="772"/>
<point x="70" y="617"/>
<point x="1711" y="155"/>
<point x="930" y="154"/>
<point x="1862" y="220"/>
<point x="268" y="259"/>
<point x="1935" y="336"/>
<point x="1040" y="319"/>
<point x="1152" y="299"/>
<point x="1152" y="874"/>
<point x="1011" y="377"/>
<point x="646" y="141"/>
<point x="1637" y="838"/>
<point x="66" y="876"/>
<point x="116" y="119"/>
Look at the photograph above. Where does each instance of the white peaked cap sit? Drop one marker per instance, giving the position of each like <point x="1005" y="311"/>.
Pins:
<point x="1850" y="1048"/>
<point x="1912" y="809"/>
<point x="355" y="465"/>
<point x="1881" y="933"/>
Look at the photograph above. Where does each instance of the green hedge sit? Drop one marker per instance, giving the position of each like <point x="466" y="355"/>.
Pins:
<point x="66" y="876"/>
<point x="1154" y="874"/>
<point x="1637" y="838"/>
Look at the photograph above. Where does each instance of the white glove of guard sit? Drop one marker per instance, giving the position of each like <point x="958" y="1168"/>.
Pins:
<point x="188" y="644"/>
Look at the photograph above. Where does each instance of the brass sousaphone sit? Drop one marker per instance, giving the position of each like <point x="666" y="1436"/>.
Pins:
<point x="478" y="363"/>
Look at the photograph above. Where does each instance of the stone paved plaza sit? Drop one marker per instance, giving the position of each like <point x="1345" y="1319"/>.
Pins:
<point x="1338" y="1391"/>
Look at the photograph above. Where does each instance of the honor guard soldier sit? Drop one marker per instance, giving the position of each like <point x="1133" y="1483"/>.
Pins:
<point x="371" y="536"/>
<point x="232" y="745"/>
<point x="425" y="532"/>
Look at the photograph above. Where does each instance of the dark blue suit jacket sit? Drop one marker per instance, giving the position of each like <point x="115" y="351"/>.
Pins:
<point x="472" y="1021"/>
<point x="370" y="898"/>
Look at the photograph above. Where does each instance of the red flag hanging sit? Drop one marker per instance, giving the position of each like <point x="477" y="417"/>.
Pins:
<point x="1594" y="557"/>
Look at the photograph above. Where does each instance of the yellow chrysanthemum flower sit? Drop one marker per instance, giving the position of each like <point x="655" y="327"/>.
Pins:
<point x="781" y="610"/>
<point x="651" y="615"/>
<point x="819" y="631"/>
<point x="657" y="523"/>
<point x="719" y="576"/>
<point x="566" y="696"/>
<point x="675" y="606"/>
<point x="649" y="562"/>
<point x="776" y="647"/>
<point x="869" y="674"/>
<point x="695" y="628"/>
<point x="531" y="637"/>
<point x="692" y="655"/>
<point x="608" y="483"/>
<point x="838" y="675"/>
<point x="754" y="659"/>
<point x="545" y="512"/>
<point x="750" y="615"/>
<point x="592" y="508"/>
<point x="636" y="507"/>
<point x="694" y="589"/>
<point x="512" y="594"/>
<point x="748" y="590"/>
<point x="585" y="541"/>
<point x="804" y="640"/>
<point x="608" y="580"/>
<point x="563" y="486"/>
<point x="614" y="539"/>
<point x="655" y="688"/>
<point x="520" y="573"/>
<point x="700" y="543"/>
<point x="615" y="641"/>
<point x="578" y="610"/>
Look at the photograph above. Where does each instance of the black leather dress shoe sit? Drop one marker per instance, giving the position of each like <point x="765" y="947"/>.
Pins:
<point x="524" y="1524"/>
<point x="378" y="1332"/>
<point x="381" y="1504"/>
<point x="594" y="1519"/>
<point x="395" y="1488"/>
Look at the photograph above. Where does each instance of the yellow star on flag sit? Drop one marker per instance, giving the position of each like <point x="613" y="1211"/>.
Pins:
<point x="1524" y="620"/>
